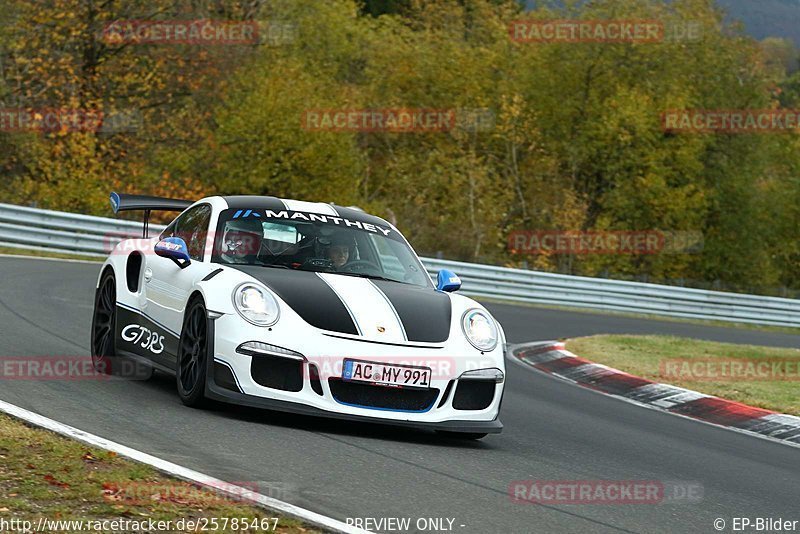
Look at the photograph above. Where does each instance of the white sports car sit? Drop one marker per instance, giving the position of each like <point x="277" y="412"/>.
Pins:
<point x="302" y="307"/>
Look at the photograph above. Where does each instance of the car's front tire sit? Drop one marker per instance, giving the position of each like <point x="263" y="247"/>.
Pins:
<point x="105" y="358"/>
<point x="193" y="355"/>
<point x="104" y="324"/>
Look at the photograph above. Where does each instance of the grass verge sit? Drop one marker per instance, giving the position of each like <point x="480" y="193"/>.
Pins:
<point x="765" y="377"/>
<point x="46" y="475"/>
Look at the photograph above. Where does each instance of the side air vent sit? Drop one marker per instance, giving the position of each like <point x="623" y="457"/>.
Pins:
<point x="133" y="271"/>
<point x="313" y="376"/>
<point x="223" y="377"/>
<point x="446" y="393"/>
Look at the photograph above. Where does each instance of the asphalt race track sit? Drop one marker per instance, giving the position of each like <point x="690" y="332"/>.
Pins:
<point x="554" y="431"/>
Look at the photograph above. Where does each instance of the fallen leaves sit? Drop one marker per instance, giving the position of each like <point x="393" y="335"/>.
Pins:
<point x="50" y="479"/>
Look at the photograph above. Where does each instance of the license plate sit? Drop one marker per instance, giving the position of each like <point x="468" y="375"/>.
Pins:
<point x="386" y="374"/>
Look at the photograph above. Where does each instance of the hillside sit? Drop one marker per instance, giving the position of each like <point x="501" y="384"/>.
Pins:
<point x="765" y="18"/>
<point x="762" y="18"/>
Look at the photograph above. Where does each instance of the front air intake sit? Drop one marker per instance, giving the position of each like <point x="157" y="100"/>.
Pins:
<point x="277" y="372"/>
<point x="473" y="394"/>
<point x="382" y="397"/>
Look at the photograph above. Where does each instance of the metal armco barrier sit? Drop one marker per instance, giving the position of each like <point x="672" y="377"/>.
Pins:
<point x="23" y="227"/>
<point x="33" y="228"/>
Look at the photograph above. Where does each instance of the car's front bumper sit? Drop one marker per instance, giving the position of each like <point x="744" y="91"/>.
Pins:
<point x="213" y="391"/>
<point x="322" y="350"/>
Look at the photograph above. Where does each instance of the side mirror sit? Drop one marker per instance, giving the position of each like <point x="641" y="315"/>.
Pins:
<point x="447" y="281"/>
<point x="175" y="249"/>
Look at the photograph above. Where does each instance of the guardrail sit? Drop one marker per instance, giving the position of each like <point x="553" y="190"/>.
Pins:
<point x="59" y="231"/>
<point x="95" y="236"/>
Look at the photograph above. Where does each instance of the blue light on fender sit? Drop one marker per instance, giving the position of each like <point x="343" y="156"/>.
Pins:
<point x="447" y="281"/>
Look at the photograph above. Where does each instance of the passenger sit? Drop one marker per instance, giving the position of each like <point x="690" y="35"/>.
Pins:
<point x="341" y="249"/>
<point x="241" y="241"/>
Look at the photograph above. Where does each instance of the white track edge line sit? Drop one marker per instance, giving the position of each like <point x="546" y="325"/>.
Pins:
<point x="180" y="472"/>
<point x="560" y="378"/>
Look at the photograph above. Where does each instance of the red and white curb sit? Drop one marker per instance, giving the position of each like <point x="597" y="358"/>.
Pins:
<point x="552" y="358"/>
<point x="326" y="523"/>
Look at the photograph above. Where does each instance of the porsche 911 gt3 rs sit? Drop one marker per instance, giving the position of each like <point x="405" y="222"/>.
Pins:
<point x="297" y="306"/>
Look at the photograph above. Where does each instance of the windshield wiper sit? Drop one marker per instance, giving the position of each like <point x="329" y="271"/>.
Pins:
<point x="370" y="276"/>
<point x="273" y="265"/>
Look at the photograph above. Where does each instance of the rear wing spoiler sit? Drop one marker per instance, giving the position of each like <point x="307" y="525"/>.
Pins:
<point x="123" y="202"/>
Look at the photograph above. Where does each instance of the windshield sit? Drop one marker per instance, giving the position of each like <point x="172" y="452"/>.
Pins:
<point x="319" y="243"/>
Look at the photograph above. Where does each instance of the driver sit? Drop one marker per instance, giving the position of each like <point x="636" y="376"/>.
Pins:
<point x="341" y="249"/>
<point x="241" y="241"/>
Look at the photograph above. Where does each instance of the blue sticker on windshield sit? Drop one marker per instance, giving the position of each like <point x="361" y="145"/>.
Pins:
<point x="247" y="213"/>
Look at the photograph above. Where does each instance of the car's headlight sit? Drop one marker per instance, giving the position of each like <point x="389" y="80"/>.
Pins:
<point x="480" y="329"/>
<point x="493" y="375"/>
<point x="256" y="304"/>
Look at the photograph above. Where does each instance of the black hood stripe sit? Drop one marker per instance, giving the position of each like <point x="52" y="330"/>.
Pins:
<point x="425" y="313"/>
<point x="394" y="310"/>
<point x="344" y="302"/>
<point x="308" y="295"/>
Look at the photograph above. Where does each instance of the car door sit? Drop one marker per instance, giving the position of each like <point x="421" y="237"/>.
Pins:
<point x="167" y="285"/>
